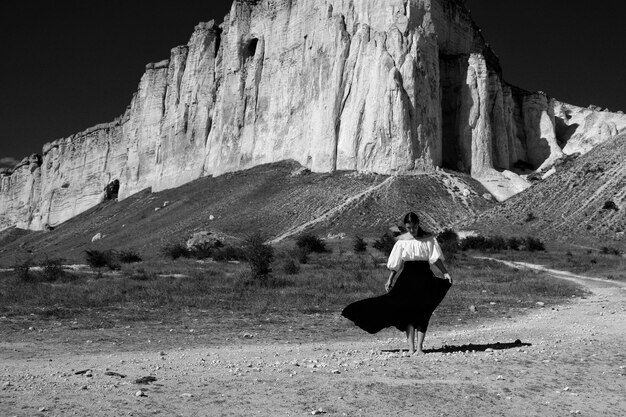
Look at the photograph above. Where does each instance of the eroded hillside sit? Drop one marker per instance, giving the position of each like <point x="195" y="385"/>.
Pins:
<point x="584" y="201"/>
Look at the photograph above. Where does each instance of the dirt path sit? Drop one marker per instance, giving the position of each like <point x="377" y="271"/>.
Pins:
<point x="332" y="212"/>
<point x="571" y="362"/>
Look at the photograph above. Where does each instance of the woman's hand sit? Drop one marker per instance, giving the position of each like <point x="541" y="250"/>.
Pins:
<point x="448" y="277"/>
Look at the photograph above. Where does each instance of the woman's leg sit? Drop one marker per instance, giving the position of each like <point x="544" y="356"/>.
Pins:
<point x="410" y="338"/>
<point x="421" y="333"/>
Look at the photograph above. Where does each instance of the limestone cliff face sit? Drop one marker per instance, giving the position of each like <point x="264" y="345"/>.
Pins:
<point x="386" y="86"/>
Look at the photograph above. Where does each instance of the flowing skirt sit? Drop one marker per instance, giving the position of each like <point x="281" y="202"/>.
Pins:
<point x="416" y="294"/>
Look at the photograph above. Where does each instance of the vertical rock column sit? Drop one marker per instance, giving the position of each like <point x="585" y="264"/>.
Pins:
<point x="188" y="106"/>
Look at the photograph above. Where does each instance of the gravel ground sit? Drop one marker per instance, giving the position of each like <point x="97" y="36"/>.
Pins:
<point x="564" y="360"/>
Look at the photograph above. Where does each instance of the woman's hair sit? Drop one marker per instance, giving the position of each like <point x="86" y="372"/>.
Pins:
<point x="411" y="218"/>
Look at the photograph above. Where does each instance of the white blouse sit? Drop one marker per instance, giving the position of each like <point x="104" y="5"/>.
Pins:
<point x="423" y="249"/>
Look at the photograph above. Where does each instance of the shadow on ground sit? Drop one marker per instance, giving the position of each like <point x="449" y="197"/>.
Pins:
<point x="469" y="347"/>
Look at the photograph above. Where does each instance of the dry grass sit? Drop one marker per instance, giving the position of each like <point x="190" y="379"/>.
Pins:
<point x="579" y="261"/>
<point x="327" y="283"/>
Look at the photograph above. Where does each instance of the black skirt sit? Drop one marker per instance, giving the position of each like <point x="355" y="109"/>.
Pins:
<point x="416" y="294"/>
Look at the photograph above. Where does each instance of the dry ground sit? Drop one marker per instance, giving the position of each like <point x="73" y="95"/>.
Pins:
<point x="570" y="361"/>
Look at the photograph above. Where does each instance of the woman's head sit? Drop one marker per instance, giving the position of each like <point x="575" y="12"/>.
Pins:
<point x="412" y="223"/>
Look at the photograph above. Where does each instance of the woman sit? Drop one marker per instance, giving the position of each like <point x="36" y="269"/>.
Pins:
<point x="413" y="291"/>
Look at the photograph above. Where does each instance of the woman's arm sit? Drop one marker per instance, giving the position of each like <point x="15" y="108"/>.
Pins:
<point x="446" y="275"/>
<point x="390" y="282"/>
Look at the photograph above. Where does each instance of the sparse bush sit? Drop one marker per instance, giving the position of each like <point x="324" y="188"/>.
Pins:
<point x="610" y="205"/>
<point x="359" y="244"/>
<point x="291" y="267"/>
<point x="23" y="272"/>
<point x="385" y="243"/>
<point x="52" y="269"/>
<point x="302" y="255"/>
<point x="201" y="252"/>
<point x="449" y="241"/>
<point x="498" y="243"/>
<point x="609" y="250"/>
<point x="474" y="242"/>
<point x="311" y="243"/>
<point x="229" y="253"/>
<point x="129" y="257"/>
<point x="176" y="250"/>
<point x="530" y="216"/>
<point x="533" y="244"/>
<point x="514" y="243"/>
<point x="100" y="259"/>
<point x="259" y="256"/>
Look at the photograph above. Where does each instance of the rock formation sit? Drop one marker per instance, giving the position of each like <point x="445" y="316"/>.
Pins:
<point x="385" y="86"/>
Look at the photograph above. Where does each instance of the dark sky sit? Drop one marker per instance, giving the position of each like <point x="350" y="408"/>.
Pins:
<point x="68" y="64"/>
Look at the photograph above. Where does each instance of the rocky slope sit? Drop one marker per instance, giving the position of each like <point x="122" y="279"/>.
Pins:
<point x="276" y="199"/>
<point x="380" y="86"/>
<point x="584" y="201"/>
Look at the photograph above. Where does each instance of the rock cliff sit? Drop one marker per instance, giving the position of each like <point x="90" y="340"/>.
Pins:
<point x="385" y="86"/>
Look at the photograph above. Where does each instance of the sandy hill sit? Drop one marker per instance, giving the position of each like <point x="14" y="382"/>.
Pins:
<point x="281" y="200"/>
<point x="584" y="202"/>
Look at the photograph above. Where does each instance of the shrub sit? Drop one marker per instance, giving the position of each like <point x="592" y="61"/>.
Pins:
<point x="176" y="250"/>
<point x="609" y="250"/>
<point x="497" y="243"/>
<point x="359" y="244"/>
<point x="23" y="272"/>
<point x="311" y="243"/>
<point x="229" y="253"/>
<point x="52" y="269"/>
<point x="291" y="267"/>
<point x="449" y="241"/>
<point x="514" y="243"/>
<point x="530" y="216"/>
<point x="385" y="243"/>
<point x="533" y="244"/>
<point x="259" y="256"/>
<point x="99" y="259"/>
<point x="302" y="255"/>
<point x="474" y="242"/>
<point x="129" y="257"/>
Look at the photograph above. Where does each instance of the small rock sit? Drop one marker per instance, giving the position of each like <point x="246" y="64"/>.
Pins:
<point x="111" y="373"/>
<point x="186" y="395"/>
<point x="540" y="303"/>
<point x="472" y="308"/>
<point x="566" y="389"/>
<point x="84" y="387"/>
<point x="318" y="412"/>
<point x="84" y="371"/>
<point x="500" y="378"/>
<point x="140" y="393"/>
<point x="42" y="409"/>
<point x="145" y="379"/>
<point x="335" y="371"/>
